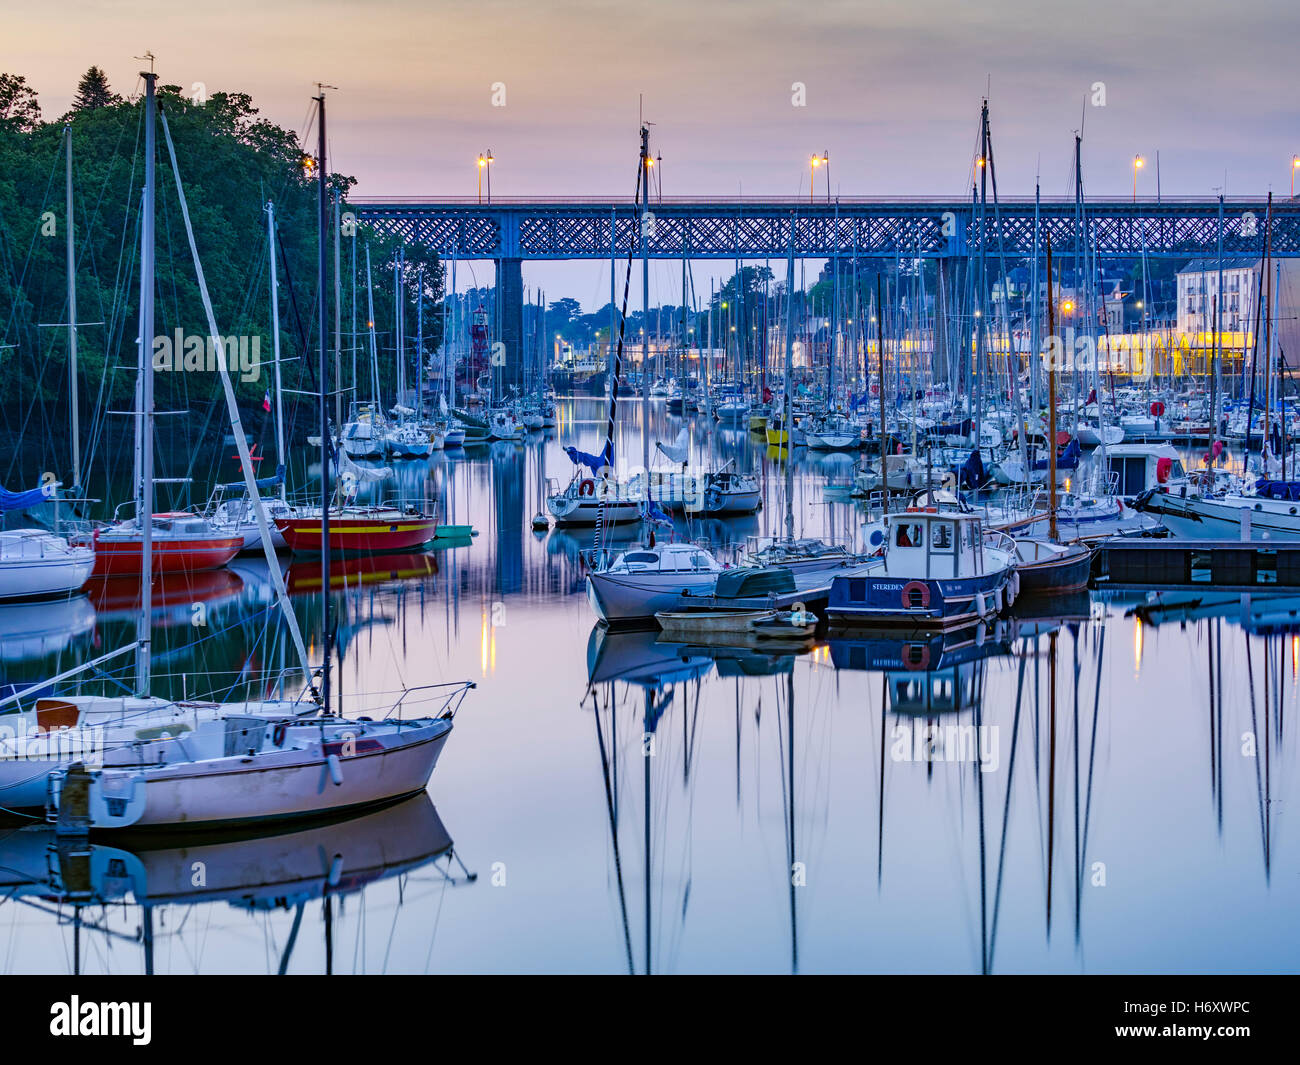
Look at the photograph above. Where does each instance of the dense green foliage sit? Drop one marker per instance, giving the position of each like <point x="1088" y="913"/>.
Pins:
<point x="231" y="163"/>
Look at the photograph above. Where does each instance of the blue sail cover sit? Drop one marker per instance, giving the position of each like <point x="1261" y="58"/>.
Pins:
<point x="1288" y="490"/>
<point x="972" y="474"/>
<point x="1066" y="459"/>
<point x="265" y="482"/>
<point x="654" y="513"/>
<point x="22" y="500"/>
<point x="595" y="463"/>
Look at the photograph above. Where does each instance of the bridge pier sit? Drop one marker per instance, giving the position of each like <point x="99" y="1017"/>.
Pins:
<point x="510" y="285"/>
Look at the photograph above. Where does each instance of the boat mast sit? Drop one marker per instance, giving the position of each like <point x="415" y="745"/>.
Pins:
<point x="338" y="319"/>
<point x="880" y="353"/>
<point x="144" y="414"/>
<point x="645" y="307"/>
<point x="789" y="405"/>
<point x="419" y="343"/>
<point x="72" y="323"/>
<point x="275" y="341"/>
<point x="1054" y="349"/>
<point x="399" y="316"/>
<point x="327" y="637"/>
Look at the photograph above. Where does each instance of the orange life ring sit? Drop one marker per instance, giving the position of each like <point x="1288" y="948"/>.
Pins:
<point x="587" y="488"/>
<point x="916" y="586"/>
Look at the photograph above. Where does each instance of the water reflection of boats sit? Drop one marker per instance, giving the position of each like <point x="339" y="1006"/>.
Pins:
<point x="939" y="673"/>
<point x="273" y="870"/>
<point x="172" y="598"/>
<point x="574" y="548"/>
<point x="1067" y="606"/>
<point x="637" y="657"/>
<point x="735" y="660"/>
<point x="304" y="577"/>
<point x="1259" y="614"/>
<point x="883" y="651"/>
<point x="38" y="629"/>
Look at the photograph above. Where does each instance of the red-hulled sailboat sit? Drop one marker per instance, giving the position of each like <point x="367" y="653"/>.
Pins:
<point x="181" y="543"/>
<point x="359" y="529"/>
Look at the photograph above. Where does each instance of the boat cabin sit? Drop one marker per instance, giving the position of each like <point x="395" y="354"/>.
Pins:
<point x="926" y="543"/>
<point x="1137" y="467"/>
<point x="665" y="558"/>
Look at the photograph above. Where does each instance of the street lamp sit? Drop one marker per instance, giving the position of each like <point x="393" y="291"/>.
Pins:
<point x="1295" y="165"/>
<point x="813" y="163"/>
<point x="485" y="164"/>
<point x="1138" y="164"/>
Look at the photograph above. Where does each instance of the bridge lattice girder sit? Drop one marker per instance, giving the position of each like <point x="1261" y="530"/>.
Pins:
<point x="735" y="229"/>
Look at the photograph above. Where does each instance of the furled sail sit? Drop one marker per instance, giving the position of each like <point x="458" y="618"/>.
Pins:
<point x="22" y="500"/>
<point x="678" y="451"/>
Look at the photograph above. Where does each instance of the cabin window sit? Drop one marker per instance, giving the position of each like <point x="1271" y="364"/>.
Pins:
<point x="641" y="556"/>
<point x="1132" y="474"/>
<point x="910" y="536"/>
<point x="941" y="537"/>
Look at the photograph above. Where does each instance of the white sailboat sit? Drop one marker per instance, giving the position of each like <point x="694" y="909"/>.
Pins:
<point x="273" y="760"/>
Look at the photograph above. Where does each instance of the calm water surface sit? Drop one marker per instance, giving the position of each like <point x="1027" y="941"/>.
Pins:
<point x="1109" y="790"/>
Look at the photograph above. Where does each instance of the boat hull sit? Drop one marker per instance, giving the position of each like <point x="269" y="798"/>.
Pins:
<point x="1067" y="573"/>
<point x="622" y="598"/>
<point x="45" y="577"/>
<point x="229" y="791"/>
<point x="568" y="511"/>
<point x="358" y="534"/>
<point x="1196" y="518"/>
<point x="937" y="604"/>
<point x="123" y="558"/>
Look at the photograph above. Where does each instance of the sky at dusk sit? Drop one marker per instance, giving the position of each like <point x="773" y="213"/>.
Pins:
<point x="892" y="91"/>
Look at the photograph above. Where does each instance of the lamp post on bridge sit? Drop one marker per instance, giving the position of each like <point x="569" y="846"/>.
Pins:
<point x="813" y="163"/>
<point x="485" y="164"/>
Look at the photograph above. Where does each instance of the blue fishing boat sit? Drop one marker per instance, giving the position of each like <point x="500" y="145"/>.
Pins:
<point x="941" y="569"/>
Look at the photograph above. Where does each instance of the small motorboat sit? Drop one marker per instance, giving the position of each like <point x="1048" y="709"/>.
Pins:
<point x="36" y="564"/>
<point x="1046" y="567"/>
<point x="785" y="625"/>
<point x="693" y="623"/>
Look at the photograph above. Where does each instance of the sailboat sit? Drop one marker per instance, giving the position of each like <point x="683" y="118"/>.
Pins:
<point x="38" y="564"/>
<point x="274" y="760"/>
<point x="355" y="527"/>
<point x="35" y="563"/>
